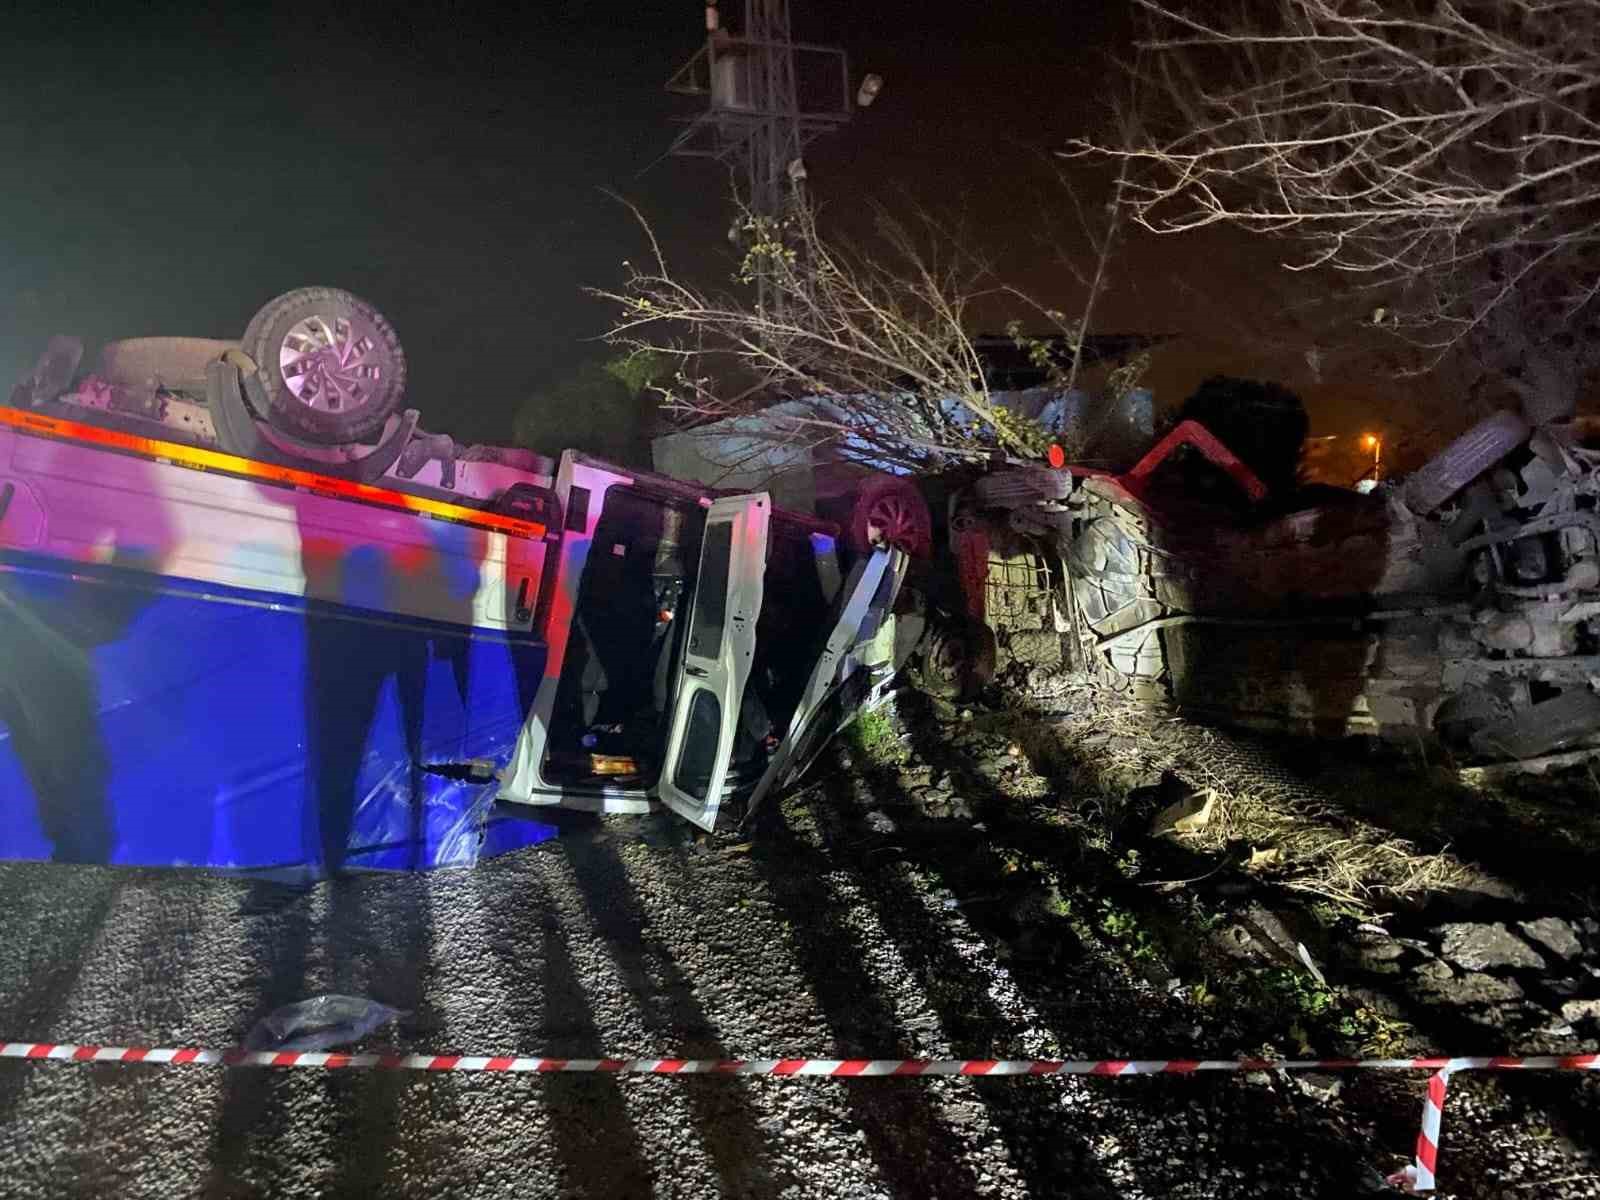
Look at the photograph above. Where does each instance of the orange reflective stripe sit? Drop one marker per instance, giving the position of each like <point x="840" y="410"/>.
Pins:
<point x="215" y="460"/>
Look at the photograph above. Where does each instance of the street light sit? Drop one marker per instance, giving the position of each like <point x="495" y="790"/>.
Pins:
<point x="1374" y="443"/>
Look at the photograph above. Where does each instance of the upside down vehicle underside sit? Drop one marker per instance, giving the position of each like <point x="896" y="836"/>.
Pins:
<point x="1460" y="606"/>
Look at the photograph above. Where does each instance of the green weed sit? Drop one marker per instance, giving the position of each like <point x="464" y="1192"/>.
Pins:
<point x="1307" y="1012"/>
<point x="1125" y="928"/>
<point x="1293" y="992"/>
<point x="1059" y="905"/>
<point x="1379" y="1036"/>
<point x="876" y="741"/>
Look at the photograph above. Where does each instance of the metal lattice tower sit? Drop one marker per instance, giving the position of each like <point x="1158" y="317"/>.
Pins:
<point x="768" y="97"/>
<point x="775" y="140"/>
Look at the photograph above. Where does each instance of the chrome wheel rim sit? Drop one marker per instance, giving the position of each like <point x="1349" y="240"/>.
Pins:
<point x="330" y="364"/>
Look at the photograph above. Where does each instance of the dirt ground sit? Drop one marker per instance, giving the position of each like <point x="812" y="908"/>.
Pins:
<point x="982" y="886"/>
<point x="1418" y="899"/>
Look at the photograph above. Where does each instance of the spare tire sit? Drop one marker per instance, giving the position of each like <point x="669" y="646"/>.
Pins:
<point x="329" y="365"/>
<point x="175" y="363"/>
<point x="889" y="510"/>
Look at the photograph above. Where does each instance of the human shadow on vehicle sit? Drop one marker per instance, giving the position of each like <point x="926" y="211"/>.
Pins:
<point x="76" y="690"/>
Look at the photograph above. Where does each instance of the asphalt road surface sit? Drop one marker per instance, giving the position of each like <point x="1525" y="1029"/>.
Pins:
<point x="624" y="939"/>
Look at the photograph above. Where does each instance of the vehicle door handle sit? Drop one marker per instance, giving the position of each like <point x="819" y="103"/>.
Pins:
<point x="697" y="672"/>
<point x="6" y="493"/>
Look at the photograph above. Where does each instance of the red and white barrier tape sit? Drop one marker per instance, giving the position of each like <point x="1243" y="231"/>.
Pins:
<point x="834" y="1067"/>
<point x="1418" y="1178"/>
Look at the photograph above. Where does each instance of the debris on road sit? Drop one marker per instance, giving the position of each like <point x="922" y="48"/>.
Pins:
<point x="1189" y="815"/>
<point x="320" y="1023"/>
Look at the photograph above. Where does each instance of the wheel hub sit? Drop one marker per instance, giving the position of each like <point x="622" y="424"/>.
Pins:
<point x="329" y="364"/>
<point x="949" y="659"/>
<point x="890" y="522"/>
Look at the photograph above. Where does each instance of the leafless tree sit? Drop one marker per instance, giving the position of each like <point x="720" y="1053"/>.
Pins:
<point x="1445" y="153"/>
<point x="1083" y="248"/>
<point x="879" y="346"/>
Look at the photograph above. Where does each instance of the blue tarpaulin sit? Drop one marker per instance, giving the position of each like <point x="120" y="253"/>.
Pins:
<point x="152" y="721"/>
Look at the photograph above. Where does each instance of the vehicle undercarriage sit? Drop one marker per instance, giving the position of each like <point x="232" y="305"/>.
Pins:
<point x="1457" y="607"/>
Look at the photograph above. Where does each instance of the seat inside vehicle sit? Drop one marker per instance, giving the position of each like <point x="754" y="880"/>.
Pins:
<point x="615" y="680"/>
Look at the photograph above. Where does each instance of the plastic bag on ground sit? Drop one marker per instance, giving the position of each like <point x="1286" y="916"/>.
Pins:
<point x="319" y="1023"/>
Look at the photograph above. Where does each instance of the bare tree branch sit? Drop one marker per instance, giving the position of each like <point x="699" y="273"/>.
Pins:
<point x="1441" y="151"/>
<point x="880" y="346"/>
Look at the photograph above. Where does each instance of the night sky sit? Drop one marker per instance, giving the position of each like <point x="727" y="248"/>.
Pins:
<point x="168" y="172"/>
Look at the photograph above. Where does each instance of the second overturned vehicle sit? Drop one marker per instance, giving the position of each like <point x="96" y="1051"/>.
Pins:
<point x="1457" y="607"/>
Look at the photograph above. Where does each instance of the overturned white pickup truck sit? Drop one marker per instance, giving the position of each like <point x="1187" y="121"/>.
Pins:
<point x="251" y="616"/>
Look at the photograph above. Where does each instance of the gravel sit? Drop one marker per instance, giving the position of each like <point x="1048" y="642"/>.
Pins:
<point x="629" y="939"/>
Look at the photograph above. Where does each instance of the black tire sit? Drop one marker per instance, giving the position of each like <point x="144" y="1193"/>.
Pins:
<point x="1463" y="460"/>
<point x="1017" y="486"/>
<point x="353" y="371"/>
<point x="957" y="662"/>
<point x="1466" y="714"/>
<point x="889" y="509"/>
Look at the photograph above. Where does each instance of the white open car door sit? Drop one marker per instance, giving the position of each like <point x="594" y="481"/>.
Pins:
<point x="866" y="600"/>
<point x="716" y="657"/>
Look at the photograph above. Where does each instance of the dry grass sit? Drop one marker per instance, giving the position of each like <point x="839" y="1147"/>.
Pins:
<point x="1324" y="852"/>
<point x="1324" y="849"/>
